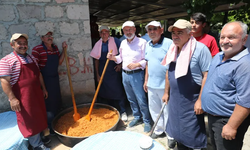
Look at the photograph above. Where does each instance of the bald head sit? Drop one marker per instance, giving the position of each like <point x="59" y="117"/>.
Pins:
<point x="233" y="38"/>
<point x="239" y="24"/>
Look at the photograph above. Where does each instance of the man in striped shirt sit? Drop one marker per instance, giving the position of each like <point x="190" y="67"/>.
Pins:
<point x="48" y="57"/>
<point x="23" y="84"/>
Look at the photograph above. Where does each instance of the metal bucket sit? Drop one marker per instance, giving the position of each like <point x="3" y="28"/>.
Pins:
<point x="71" y="140"/>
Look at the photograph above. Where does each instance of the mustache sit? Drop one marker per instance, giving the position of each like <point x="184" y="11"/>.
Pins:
<point x="22" y="48"/>
<point x="226" y="44"/>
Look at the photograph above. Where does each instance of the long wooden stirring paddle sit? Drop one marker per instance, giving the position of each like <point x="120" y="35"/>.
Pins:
<point x="97" y="90"/>
<point x="76" y="115"/>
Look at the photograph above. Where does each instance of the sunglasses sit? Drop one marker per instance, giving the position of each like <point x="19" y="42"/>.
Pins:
<point x="153" y="29"/>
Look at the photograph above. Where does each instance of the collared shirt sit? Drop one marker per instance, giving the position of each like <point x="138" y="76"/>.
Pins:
<point x="227" y="84"/>
<point x="200" y="62"/>
<point x="248" y="42"/>
<point x="122" y="38"/>
<point x="133" y="52"/>
<point x="39" y="52"/>
<point x="10" y="66"/>
<point x="146" y="37"/>
<point x="154" y="55"/>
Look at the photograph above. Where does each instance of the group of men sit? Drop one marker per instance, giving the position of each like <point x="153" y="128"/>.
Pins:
<point x="188" y="73"/>
<point x="31" y="83"/>
<point x="192" y="77"/>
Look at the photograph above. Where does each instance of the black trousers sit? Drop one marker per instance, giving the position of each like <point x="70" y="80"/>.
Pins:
<point x="216" y="124"/>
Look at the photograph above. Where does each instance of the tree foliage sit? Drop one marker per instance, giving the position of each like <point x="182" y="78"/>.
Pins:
<point x="207" y="7"/>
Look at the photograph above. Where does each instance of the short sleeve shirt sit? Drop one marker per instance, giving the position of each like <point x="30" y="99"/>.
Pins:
<point x="40" y="54"/>
<point x="210" y="42"/>
<point x="154" y="54"/>
<point x="227" y="84"/>
<point x="10" y="66"/>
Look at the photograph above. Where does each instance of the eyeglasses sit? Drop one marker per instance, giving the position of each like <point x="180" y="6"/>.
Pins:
<point x="48" y="36"/>
<point x="153" y="29"/>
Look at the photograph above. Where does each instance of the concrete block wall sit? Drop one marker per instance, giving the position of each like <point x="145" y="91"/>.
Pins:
<point x="69" y="20"/>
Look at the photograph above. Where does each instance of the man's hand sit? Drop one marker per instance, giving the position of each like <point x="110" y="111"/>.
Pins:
<point x="145" y="87"/>
<point x="132" y="66"/>
<point x="110" y="56"/>
<point x="228" y="132"/>
<point x="118" y="67"/>
<point x="197" y="107"/>
<point x="64" y="44"/>
<point x="45" y="93"/>
<point x="15" y="105"/>
<point x="165" y="98"/>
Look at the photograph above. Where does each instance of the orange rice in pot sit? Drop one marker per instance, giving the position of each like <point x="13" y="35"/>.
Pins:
<point x="102" y="119"/>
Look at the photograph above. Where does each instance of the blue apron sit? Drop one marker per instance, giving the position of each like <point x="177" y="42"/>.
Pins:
<point x="111" y="87"/>
<point x="51" y="80"/>
<point x="183" y="124"/>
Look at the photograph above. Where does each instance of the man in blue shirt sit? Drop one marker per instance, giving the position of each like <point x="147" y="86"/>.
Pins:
<point x="188" y="61"/>
<point x="226" y="93"/>
<point x="155" y="73"/>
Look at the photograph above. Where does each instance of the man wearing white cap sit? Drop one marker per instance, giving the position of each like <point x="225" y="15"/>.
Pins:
<point x="49" y="58"/>
<point x="188" y="61"/>
<point x="132" y="56"/>
<point x="23" y="83"/>
<point x="155" y="74"/>
<point x="111" y="90"/>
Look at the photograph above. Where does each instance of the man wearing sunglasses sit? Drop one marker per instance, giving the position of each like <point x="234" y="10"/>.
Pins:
<point x="154" y="83"/>
<point x="49" y="58"/>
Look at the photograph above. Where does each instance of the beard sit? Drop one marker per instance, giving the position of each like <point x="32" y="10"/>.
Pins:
<point x="130" y="37"/>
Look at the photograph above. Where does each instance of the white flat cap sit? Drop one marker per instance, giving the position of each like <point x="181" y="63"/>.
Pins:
<point x="128" y="23"/>
<point x="153" y="23"/>
<point x="103" y="27"/>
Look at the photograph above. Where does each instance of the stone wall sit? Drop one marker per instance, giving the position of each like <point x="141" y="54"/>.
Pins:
<point x="69" y="21"/>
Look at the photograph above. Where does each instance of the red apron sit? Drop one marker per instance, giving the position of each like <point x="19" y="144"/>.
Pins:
<point x="32" y="118"/>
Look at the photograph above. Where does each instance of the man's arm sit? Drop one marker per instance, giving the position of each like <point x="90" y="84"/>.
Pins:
<point x="97" y="70"/>
<point x="14" y="102"/>
<point x="146" y="79"/>
<point x="197" y="106"/>
<point x="45" y="93"/>
<point x="165" y="97"/>
<point x="64" y="46"/>
<point x="238" y="116"/>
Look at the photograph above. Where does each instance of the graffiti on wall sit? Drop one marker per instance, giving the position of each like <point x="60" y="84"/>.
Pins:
<point x="83" y="68"/>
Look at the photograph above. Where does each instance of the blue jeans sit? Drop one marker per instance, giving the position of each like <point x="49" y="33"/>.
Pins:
<point x="133" y="85"/>
<point x="35" y="140"/>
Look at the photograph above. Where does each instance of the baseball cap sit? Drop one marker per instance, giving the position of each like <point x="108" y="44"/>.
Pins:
<point x="153" y="23"/>
<point x="103" y="27"/>
<point x="181" y="24"/>
<point x="128" y="23"/>
<point x="18" y="35"/>
<point x="44" y="32"/>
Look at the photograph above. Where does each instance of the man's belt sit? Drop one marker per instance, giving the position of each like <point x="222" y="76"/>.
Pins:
<point x="132" y="71"/>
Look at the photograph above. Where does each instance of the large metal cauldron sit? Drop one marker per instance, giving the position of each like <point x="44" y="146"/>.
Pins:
<point x="71" y="140"/>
